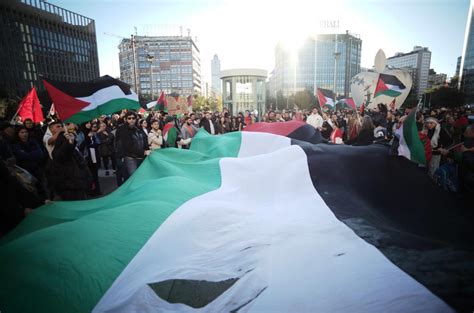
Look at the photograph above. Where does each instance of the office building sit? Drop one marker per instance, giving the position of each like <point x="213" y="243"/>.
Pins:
<point x="326" y="61"/>
<point x="156" y="63"/>
<point x="40" y="39"/>
<point x="418" y="59"/>
<point x="458" y="67"/>
<point x="467" y="61"/>
<point x="436" y="79"/>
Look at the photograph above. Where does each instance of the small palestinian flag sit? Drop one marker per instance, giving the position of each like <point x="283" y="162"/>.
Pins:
<point x="411" y="145"/>
<point x="82" y="102"/>
<point x="325" y="97"/>
<point x="348" y="102"/>
<point x="162" y="102"/>
<point x="189" y="101"/>
<point x="389" y="85"/>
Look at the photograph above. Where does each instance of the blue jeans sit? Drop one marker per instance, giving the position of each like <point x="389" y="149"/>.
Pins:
<point x="131" y="165"/>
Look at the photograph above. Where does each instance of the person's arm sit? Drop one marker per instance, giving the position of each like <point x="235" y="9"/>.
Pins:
<point x="53" y="138"/>
<point x="63" y="149"/>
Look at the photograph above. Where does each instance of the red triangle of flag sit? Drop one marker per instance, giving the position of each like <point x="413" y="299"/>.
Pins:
<point x="162" y="99"/>
<point x="380" y="87"/>
<point x="321" y="98"/>
<point x="65" y="105"/>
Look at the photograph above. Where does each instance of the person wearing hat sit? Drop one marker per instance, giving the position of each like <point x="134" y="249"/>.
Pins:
<point x="51" y="135"/>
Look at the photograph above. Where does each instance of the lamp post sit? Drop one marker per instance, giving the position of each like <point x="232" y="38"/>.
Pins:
<point x="150" y="59"/>
<point x="134" y="58"/>
<point x="336" y="57"/>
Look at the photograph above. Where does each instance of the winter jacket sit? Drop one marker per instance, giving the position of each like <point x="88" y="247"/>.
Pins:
<point x="68" y="171"/>
<point x="155" y="139"/>
<point x="133" y="141"/>
<point x="29" y="156"/>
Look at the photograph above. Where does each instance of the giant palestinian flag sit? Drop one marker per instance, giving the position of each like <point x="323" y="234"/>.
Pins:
<point x="82" y="102"/>
<point x="248" y="222"/>
<point x="389" y="85"/>
<point x="293" y="129"/>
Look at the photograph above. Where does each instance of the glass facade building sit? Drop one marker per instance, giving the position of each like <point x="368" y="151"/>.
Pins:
<point x="418" y="59"/>
<point x="41" y="39"/>
<point x="326" y="61"/>
<point x="467" y="60"/>
<point x="156" y="63"/>
<point x="243" y="89"/>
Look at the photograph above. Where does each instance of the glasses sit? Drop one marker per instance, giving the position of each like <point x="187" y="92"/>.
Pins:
<point x="131" y="118"/>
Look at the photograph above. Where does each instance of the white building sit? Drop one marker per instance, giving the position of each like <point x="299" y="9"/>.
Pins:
<point x="419" y="59"/>
<point x="244" y="89"/>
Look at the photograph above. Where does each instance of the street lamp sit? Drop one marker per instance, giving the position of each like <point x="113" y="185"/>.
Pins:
<point x="150" y="59"/>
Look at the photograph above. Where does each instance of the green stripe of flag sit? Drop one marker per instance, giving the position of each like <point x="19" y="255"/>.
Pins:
<point x="77" y="236"/>
<point x="227" y="145"/>
<point x="389" y="92"/>
<point x="106" y="108"/>
<point x="413" y="141"/>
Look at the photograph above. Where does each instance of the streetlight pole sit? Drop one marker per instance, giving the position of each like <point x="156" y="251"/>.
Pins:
<point x="134" y="65"/>
<point x="150" y="59"/>
<point x="336" y="57"/>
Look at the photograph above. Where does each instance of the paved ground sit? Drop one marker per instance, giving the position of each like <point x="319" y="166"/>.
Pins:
<point x="107" y="183"/>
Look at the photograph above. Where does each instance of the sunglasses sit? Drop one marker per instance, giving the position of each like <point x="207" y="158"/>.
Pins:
<point x="131" y="118"/>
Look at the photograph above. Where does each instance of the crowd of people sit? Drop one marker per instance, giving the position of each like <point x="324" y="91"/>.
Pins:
<point x="61" y="161"/>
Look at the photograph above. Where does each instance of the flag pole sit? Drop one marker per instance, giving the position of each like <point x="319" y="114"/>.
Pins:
<point x="19" y="108"/>
<point x="16" y="114"/>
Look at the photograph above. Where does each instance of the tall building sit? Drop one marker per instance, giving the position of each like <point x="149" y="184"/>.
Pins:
<point x="41" y="39"/>
<point x="153" y="64"/>
<point x="419" y="59"/>
<point x="436" y="79"/>
<point x="467" y="61"/>
<point x="216" y="73"/>
<point x="325" y="61"/>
